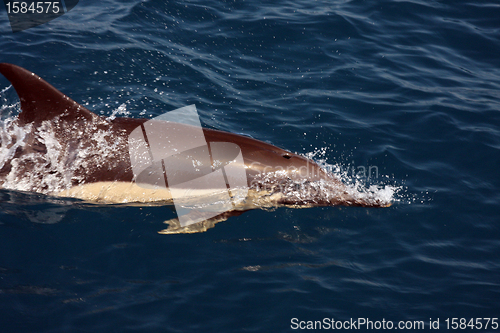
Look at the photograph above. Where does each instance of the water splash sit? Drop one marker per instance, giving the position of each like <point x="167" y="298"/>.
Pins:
<point x="121" y="110"/>
<point x="362" y="183"/>
<point x="55" y="158"/>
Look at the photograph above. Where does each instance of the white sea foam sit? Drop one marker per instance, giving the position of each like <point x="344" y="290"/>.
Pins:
<point x="60" y="158"/>
<point x="361" y="182"/>
<point x="11" y="137"/>
<point x="121" y="110"/>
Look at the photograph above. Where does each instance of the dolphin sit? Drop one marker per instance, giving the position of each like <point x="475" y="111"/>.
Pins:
<point x="59" y="148"/>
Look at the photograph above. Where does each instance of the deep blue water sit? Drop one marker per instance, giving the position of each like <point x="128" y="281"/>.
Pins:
<point x="411" y="87"/>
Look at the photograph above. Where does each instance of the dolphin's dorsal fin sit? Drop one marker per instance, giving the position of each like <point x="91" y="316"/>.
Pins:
<point x="39" y="100"/>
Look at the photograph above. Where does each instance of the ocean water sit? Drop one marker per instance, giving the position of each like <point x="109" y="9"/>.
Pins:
<point x="409" y="88"/>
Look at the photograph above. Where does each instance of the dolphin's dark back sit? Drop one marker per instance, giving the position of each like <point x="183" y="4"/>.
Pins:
<point x="73" y="125"/>
<point x="39" y="100"/>
<point x="46" y="108"/>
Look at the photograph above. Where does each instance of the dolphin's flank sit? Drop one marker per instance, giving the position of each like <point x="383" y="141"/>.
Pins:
<point x="58" y="147"/>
